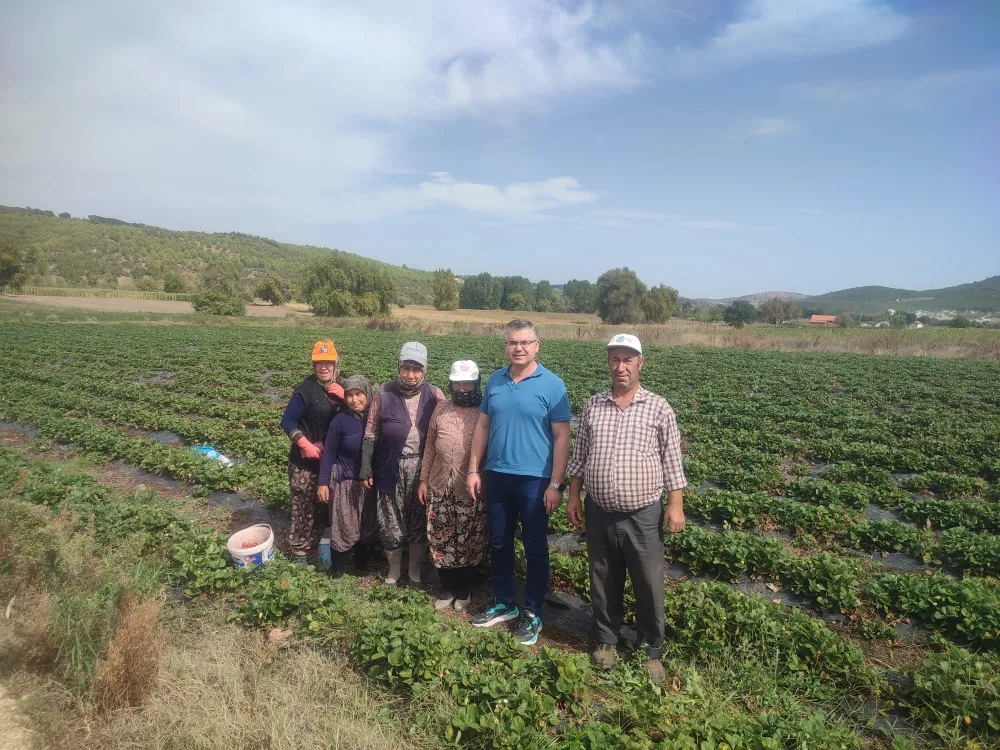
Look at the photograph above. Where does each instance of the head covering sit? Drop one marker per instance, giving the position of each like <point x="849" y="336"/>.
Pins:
<point x="359" y="383"/>
<point x="465" y="371"/>
<point x="324" y="351"/>
<point x="413" y="351"/>
<point x="627" y="341"/>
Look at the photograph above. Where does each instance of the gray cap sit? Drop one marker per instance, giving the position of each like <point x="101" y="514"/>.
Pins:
<point x="414" y="351"/>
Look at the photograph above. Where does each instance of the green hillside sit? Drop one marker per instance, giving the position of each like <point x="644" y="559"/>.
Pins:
<point x="106" y="252"/>
<point x="979" y="295"/>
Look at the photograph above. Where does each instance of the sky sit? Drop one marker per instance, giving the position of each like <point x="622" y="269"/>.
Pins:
<point x="723" y="148"/>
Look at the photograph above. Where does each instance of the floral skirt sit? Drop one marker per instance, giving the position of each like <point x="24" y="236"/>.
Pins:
<point x="308" y="513"/>
<point x="456" y="530"/>
<point x="401" y="517"/>
<point x="352" y="515"/>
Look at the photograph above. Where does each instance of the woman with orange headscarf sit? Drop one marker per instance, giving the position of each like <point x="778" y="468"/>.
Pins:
<point x="313" y="405"/>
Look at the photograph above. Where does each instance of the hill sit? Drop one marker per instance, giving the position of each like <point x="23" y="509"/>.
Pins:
<point x="981" y="296"/>
<point x="756" y="298"/>
<point x="101" y="251"/>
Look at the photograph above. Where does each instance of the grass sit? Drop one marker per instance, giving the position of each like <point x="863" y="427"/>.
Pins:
<point x="417" y="319"/>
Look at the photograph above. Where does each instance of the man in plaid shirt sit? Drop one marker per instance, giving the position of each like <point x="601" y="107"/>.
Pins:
<point x="628" y="451"/>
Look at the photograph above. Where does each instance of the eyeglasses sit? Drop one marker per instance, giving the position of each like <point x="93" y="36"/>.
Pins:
<point x="522" y="344"/>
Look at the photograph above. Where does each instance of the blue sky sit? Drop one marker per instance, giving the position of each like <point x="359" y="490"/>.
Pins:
<point x="720" y="147"/>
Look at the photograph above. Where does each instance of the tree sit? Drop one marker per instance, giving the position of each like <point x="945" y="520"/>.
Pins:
<point x="445" y="290"/>
<point x="739" y="313"/>
<point x="221" y="290"/>
<point x="481" y="292"/>
<point x="898" y="320"/>
<point x="659" y="304"/>
<point x="343" y="286"/>
<point x="846" y="320"/>
<point x="516" y="301"/>
<point x="619" y="296"/>
<point x="960" y="321"/>
<point x="174" y="283"/>
<point x="272" y="289"/>
<point x="581" y="296"/>
<point x="521" y="286"/>
<point x="544" y="296"/>
<point x="65" y="215"/>
<point x="13" y="270"/>
<point x="146" y="284"/>
<point x="775" y="311"/>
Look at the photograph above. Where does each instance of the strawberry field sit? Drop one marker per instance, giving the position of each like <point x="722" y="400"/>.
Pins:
<point x="836" y="582"/>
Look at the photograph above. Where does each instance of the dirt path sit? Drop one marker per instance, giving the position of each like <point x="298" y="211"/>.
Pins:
<point x="102" y="304"/>
<point x="13" y="734"/>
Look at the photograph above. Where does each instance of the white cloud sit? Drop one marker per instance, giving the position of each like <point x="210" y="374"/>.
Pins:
<point x="915" y="92"/>
<point x="637" y="214"/>
<point x="233" y="108"/>
<point x="781" y="29"/>
<point x="761" y="127"/>
<point x="524" y="199"/>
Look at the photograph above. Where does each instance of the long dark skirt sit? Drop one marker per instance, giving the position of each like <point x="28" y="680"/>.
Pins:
<point x="401" y="517"/>
<point x="352" y="515"/>
<point x="308" y="513"/>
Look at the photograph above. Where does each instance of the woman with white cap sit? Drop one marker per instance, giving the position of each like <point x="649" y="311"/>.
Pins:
<point x="394" y="440"/>
<point x="456" y="522"/>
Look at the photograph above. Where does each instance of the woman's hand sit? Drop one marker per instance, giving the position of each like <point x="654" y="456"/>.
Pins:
<point x="323" y="494"/>
<point x="422" y="493"/>
<point x="367" y="483"/>
<point x="309" y="450"/>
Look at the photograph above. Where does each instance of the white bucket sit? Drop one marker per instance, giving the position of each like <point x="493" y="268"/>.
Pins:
<point x="260" y="552"/>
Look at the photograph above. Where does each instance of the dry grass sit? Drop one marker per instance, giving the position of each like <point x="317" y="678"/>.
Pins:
<point x="128" y="673"/>
<point x="220" y="687"/>
<point x="14" y="734"/>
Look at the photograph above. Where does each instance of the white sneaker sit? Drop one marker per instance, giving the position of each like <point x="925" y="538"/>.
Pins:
<point x="462" y="604"/>
<point x="444" y="602"/>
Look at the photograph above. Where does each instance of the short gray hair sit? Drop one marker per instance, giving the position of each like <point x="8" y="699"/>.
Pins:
<point x="520" y="325"/>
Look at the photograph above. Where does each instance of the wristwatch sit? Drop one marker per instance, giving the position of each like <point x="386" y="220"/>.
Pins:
<point x="561" y="486"/>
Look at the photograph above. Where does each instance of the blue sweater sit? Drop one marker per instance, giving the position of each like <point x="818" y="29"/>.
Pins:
<point x="342" y="449"/>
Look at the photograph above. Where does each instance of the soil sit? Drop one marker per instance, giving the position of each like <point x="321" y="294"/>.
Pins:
<point x="101" y="304"/>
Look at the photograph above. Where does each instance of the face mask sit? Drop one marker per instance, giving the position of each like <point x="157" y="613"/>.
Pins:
<point x="467" y="398"/>
<point x="407" y="389"/>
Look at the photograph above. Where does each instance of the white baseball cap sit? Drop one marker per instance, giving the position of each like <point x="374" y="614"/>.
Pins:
<point x="626" y="340"/>
<point x="464" y="371"/>
<point x="414" y="351"/>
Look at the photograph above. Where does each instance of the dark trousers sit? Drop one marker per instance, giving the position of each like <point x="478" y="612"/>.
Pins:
<point x="632" y="543"/>
<point x="458" y="581"/>
<point x="508" y="498"/>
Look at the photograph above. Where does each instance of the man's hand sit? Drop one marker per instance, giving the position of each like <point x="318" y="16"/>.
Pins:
<point x="323" y="494"/>
<point x="574" y="511"/>
<point x="553" y="499"/>
<point x="474" y="484"/>
<point x="422" y="493"/>
<point x="673" y="519"/>
<point x="309" y="450"/>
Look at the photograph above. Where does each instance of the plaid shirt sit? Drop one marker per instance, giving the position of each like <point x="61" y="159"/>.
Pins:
<point x="627" y="457"/>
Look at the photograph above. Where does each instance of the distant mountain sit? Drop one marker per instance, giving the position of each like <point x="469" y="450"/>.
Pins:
<point x="982" y="296"/>
<point x="757" y="298"/>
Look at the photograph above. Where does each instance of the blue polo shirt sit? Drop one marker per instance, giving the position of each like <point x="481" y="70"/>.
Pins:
<point x="520" y="416"/>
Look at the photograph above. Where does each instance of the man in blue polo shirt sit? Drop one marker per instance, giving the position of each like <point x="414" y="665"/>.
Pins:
<point x="523" y="431"/>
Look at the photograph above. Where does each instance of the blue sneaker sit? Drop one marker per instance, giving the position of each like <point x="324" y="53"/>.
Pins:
<point x="528" y="628"/>
<point x="495" y="615"/>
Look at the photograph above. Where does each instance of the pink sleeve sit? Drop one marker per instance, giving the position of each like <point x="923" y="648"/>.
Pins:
<point x="371" y="426"/>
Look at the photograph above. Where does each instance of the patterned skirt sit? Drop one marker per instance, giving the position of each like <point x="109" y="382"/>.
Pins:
<point x="401" y="517"/>
<point x="352" y="515"/>
<point x="308" y="514"/>
<point x="456" y="530"/>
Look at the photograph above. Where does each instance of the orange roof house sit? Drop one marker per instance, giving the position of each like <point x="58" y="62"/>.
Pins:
<point x="823" y="321"/>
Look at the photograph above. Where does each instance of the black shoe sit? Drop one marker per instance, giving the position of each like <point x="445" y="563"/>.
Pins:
<point x="362" y="556"/>
<point x="338" y="563"/>
<point x="528" y="628"/>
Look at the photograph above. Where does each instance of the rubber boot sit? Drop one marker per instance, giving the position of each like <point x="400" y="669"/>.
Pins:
<point x="338" y="563"/>
<point x="395" y="558"/>
<point x="362" y="555"/>
<point x="417" y="551"/>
